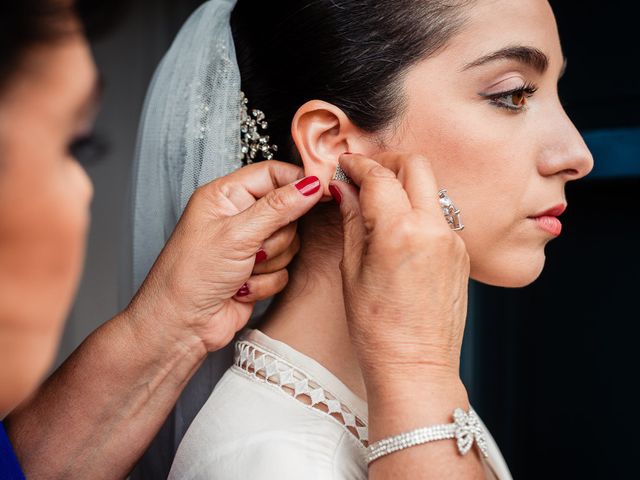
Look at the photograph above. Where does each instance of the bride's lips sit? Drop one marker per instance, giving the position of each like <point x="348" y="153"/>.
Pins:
<point x="548" y="220"/>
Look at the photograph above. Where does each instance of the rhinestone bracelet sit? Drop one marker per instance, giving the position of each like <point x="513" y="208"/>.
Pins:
<point x="465" y="429"/>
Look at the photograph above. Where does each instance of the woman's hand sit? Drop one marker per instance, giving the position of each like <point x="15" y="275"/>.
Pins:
<point x="405" y="278"/>
<point x="405" y="271"/>
<point x="122" y="382"/>
<point x="230" y="249"/>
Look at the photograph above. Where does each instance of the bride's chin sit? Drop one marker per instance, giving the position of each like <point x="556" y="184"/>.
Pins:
<point x="509" y="273"/>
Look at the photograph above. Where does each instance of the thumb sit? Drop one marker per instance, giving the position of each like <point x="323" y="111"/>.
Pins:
<point x="279" y="208"/>
<point x="348" y="198"/>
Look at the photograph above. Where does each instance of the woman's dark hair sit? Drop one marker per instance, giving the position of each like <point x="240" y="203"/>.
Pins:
<point x="28" y="23"/>
<point x="351" y="53"/>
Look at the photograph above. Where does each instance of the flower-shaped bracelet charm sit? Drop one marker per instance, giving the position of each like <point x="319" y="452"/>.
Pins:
<point x="468" y="429"/>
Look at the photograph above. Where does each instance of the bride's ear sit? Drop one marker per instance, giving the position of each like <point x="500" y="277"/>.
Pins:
<point x="322" y="132"/>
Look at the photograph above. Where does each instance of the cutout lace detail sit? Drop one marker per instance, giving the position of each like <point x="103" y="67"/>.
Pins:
<point x="265" y="366"/>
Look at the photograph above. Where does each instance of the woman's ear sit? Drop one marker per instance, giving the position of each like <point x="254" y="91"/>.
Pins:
<point x="322" y="132"/>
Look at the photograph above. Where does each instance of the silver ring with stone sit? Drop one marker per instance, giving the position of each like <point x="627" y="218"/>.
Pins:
<point x="451" y="213"/>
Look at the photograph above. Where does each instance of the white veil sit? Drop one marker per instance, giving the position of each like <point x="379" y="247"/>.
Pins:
<point x="189" y="135"/>
<point x="190" y="129"/>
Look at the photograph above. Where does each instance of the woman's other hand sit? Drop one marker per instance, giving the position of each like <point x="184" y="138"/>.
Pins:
<point x="229" y="250"/>
<point x="405" y="279"/>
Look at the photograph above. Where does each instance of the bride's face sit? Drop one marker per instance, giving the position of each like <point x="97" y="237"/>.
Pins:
<point x="504" y="157"/>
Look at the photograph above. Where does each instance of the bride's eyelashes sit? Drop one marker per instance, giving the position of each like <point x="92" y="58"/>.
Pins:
<point x="514" y="100"/>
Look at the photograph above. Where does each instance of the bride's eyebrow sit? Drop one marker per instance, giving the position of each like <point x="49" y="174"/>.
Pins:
<point x="528" y="56"/>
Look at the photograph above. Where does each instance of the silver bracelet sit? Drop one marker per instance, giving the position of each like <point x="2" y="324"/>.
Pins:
<point x="465" y="429"/>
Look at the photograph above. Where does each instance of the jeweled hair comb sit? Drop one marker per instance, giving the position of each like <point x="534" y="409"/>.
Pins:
<point x="252" y="142"/>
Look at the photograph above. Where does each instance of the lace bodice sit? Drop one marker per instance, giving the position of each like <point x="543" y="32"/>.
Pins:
<point x="278" y="414"/>
<point x="262" y="365"/>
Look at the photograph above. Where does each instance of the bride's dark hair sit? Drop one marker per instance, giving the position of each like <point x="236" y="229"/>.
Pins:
<point x="351" y="53"/>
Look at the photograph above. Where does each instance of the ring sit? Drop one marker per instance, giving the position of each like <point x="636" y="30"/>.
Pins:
<point x="451" y="213"/>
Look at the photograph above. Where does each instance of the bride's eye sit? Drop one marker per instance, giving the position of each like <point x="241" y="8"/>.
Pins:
<point x="514" y="100"/>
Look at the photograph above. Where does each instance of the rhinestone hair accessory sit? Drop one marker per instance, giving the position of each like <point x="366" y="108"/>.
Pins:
<point x="451" y="213"/>
<point x="252" y="142"/>
<point x="466" y="429"/>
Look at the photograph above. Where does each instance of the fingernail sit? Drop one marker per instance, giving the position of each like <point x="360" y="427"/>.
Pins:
<point x="335" y="193"/>
<point x="308" y="186"/>
<point x="244" y="291"/>
<point x="347" y="153"/>
<point x="261" y="256"/>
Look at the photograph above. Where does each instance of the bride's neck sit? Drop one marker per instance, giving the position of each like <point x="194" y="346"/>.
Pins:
<point x="309" y="314"/>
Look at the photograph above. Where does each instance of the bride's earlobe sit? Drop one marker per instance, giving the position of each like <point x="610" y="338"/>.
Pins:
<point x="322" y="132"/>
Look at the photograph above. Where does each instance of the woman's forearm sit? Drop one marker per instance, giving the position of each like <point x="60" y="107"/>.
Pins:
<point x="405" y="277"/>
<point x="99" y="411"/>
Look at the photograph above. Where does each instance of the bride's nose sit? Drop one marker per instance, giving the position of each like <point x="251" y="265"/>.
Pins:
<point x="566" y="154"/>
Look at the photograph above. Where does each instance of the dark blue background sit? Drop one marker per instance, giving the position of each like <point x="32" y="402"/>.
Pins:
<point x="552" y="368"/>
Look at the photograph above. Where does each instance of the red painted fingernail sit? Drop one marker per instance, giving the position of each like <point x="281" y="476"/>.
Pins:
<point x="335" y="193"/>
<point x="309" y="185"/>
<point x="261" y="256"/>
<point x="244" y="291"/>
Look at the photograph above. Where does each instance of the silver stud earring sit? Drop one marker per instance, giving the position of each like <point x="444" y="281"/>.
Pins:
<point x="340" y="175"/>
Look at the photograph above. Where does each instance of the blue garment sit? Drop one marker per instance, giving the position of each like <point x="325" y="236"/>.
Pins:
<point x="9" y="466"/>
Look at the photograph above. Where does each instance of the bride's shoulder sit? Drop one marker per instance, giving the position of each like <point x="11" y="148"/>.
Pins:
<point x="248" y="429"/>
<point x="243" y="404"/>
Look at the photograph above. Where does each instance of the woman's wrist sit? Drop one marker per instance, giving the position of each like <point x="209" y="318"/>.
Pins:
<point x="161" y="336"/>
<point x="160" y="326"/>
<point x="388" y="370"/>
<point x="401" y="404"/>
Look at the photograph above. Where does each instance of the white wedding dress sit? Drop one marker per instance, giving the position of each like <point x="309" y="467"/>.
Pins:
<point x="278" y="414"/>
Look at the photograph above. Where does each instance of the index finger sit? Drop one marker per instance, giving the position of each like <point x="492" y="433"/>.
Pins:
<point x="414" y="173"/>
<point x="262" y="177"/>
<point x="381" y="193"/>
